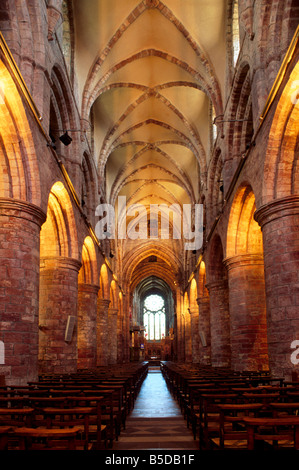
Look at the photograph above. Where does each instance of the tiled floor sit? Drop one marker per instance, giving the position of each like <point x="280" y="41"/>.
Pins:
<point x="156" y="421"/>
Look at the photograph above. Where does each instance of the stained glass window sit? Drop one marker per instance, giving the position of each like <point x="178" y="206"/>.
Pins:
<point x="154" y="317"/>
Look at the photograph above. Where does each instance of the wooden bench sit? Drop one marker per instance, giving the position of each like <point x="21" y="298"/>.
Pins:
<point x="118" y="407"/>
<point x="264" y="398"/>
<point x="284" y="409"/>
<point x="70" y="417"/>
<point x="119" y="404"/>
<point x="4" y="431"/>
<point x="97" y="430"/>
<point x="108" y="416"/>
<point x="193" y="404"/>
<point x="280" y="432"/>
<point x="16" y="417"/>
<point x="37" y="439"/>
<point x="12" y="402"/>
<point x="232" y="432"/>
<point x="209" y="416"/>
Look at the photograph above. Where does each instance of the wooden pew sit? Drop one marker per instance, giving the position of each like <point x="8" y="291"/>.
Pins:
<point x="16" y="417"/>
<point x="119" y="410"/>
<point x="232" y="432"/>
<point x="194" y="405"/>
<point x="97" y="430"/>
<point x="108" y="416"/>
<point x="278" y="431"/>
<point x="284" y="409"/>
<point x="55" y="439"/>
<point x="78" y="417"/>
<point x="4" y="432"/>
<point x="209" y="416"/>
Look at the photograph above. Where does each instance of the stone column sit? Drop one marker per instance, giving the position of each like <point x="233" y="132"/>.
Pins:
<point x="20" y="224"/>
<point x="120" y="338"/>
<point x="204" y="330"/>
<point x="87" y="321"/>
<point x="279" y="221"/>
<point x="180" y="328"/>
<point x="127" y="337"/>
<point x="247" y="308"/>
<point x="219" y="323"/>
<point x="188" y="340"/>
<point x="194" y="322"/>
<point x="112" y="339"/>
<point x="102" y="332"/>
<point x="58" y="301"/>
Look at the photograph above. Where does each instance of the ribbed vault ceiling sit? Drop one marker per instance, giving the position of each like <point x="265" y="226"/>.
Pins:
<point x="149" y="73"/>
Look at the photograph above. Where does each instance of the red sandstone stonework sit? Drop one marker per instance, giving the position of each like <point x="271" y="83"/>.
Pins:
<point x="87" y="317"/>
<point x="280" y="225"/>
<point x="102" y="332"/>
<point x="58" y="300"/>
<point x="19" y="279"/>
<point x="248" y="326"/>
<point x="253" y="149"/>
<point x="220" y="330"/>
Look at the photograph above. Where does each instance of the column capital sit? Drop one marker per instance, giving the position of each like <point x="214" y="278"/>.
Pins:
<point x="90" y="288"/>
<point x="246" y="259"/>
<point x="112" y="311"/>
<point x="60" y="262"/>
<point x="287" y="206"/>
<point x="22" y="209"/>
<point x="203" y="300"/>
<point x="219" y="284"/>
<point x="104" y="303"/>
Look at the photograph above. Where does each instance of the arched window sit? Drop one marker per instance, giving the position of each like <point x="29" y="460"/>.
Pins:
<point x="154" y="317"/>
<point x="213" y="126"/>
<point x="235" y="31"/>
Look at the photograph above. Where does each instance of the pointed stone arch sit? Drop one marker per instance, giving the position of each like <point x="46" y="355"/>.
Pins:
<point x="87" y="306"/>
<point x="281" y="167"/>
<point x="59" y="232"/>
<point x="88" y="272"/>
<point x="243" y="234"/>
<point x="104" y="282"/>
<point x="247" y="299"/>
<point x="20" y="178"/>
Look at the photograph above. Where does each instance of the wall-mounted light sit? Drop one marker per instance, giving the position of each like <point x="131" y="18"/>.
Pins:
<point x="65" y="139"/>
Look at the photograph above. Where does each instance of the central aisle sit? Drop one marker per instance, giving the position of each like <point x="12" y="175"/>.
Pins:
<point x="156" y="421"/>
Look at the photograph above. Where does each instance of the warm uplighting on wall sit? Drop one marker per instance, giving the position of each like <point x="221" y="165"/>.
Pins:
<point x="281" y="73"/>
<point x="57" y="233"/>
<point x="244" y="234"/>
<point x="88" y="271"/>
<point x="2" y="93"/>
<point x="11" y="64"/>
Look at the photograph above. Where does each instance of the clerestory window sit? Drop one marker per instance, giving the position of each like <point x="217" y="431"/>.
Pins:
<point x="235" y="29"/>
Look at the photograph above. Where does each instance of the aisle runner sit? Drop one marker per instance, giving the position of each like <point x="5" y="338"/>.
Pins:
<point x="156" y="421"/>
<point x="156" y="433"/>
